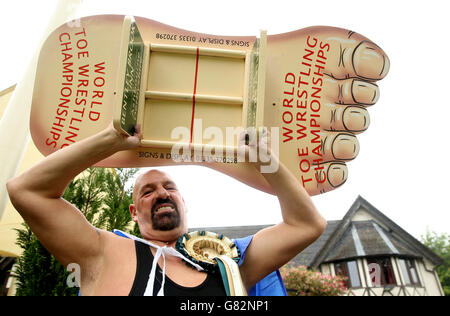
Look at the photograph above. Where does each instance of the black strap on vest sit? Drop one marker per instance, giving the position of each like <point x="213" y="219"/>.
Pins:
<point x="213" y="285"/>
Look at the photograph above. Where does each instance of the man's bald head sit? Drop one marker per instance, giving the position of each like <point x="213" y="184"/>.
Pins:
<point x="146" y="178"/>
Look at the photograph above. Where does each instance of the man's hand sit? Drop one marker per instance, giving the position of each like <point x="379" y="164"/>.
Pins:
<point x="258" y="147"/>
<point x="126" y="142"/>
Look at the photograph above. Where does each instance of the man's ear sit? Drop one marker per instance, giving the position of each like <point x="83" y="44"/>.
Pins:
<point x="133" y="213"/>
<point x="184" y="202"/>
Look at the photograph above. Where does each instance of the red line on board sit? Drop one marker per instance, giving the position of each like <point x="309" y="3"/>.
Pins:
<point x="195" y="92"/>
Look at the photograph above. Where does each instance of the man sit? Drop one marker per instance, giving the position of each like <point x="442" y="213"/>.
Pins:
<point x="112" y="265"/>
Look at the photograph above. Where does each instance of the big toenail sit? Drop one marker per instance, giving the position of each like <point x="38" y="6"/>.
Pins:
<point x="345" y="147"/>
<point x="337" y="174"/>
<point x="356" y="119"/>
<point x="369" y="61"/>
<point x="365" y="92"/>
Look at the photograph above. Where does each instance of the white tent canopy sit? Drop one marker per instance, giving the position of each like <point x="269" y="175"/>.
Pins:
<point x="17" y="151"/>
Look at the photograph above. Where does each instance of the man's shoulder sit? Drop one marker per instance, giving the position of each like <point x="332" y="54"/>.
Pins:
<point x="117" y="249"/>
<point x="114" y="242"/>
<point x="112" y="272"/>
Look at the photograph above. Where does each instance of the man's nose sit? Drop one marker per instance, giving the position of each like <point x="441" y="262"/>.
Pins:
<point x="161" y="192"/>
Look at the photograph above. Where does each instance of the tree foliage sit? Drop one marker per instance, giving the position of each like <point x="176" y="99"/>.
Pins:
<point x="440" y="244"/>
<point x="38" y="273"/>
<point x="102" y="197"/>
<point x="115" y="213"/>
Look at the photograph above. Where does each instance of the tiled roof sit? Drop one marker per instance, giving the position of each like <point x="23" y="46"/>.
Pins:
<point x="366" y="239"/>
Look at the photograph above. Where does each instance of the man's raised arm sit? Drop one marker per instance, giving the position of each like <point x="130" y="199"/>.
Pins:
<point x="302" y="224"/>
<point x="37" y="196"/>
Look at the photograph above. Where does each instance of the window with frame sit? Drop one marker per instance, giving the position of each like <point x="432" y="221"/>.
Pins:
<point x="349" y="270"/>
<point x="6" y="265"/>
<point x="409" y="272"/>
<point x="381" y="272"/>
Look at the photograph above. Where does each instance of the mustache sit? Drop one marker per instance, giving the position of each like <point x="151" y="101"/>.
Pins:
<point x="160" y="202"/>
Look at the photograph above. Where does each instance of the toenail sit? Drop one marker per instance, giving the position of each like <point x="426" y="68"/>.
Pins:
<point x="345" y="147"/>
<point x="337" y="174"/>
<point x="356" y="119"/>
<point x="386" y="67"/>
<point x="364" y="92"/>
<point x="369" y="61"/>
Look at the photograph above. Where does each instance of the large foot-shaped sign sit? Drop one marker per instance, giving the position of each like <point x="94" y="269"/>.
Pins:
<point x="324" y="84"/>
<point x="310" y="87"/>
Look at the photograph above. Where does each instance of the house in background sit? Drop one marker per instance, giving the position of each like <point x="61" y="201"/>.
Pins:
<point x="377" y="256"/>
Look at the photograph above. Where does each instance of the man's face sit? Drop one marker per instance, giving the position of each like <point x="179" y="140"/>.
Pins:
<point x="158" y="206"/>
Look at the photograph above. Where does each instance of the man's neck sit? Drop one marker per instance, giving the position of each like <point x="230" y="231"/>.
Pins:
<point x="163" y="243"/>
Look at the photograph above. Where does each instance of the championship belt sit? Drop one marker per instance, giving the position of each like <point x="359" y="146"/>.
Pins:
<point x="215" y="254"/>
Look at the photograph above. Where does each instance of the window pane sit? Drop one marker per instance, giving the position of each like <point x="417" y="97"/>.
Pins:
<point x="341" y="270"/>
<point x="353" y="273"/>
<point x="381" y="272"/>
<point x="412" y="271"/>
<point x="404" y="272"/>
<point x="388" y="272"/>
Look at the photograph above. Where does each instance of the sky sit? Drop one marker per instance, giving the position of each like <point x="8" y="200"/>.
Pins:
<point x="401" y="168"/>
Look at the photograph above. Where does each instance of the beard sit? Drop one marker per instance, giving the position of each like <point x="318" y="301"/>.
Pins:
<point x="165" y="221"/>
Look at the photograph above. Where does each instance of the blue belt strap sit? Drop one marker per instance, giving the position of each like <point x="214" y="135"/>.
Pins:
<point x="271" y="285"/>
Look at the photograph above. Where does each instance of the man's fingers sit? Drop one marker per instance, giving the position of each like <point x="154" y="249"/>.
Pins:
<point x="253" y="137"/>
<point x="138" y="131"/>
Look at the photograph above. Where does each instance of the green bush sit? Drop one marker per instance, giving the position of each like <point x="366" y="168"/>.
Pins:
<point x="38" y="272"/>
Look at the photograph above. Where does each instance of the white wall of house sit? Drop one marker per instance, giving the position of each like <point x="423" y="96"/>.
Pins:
<point x="429" y="277"/>
<point x="362" y="215"/>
